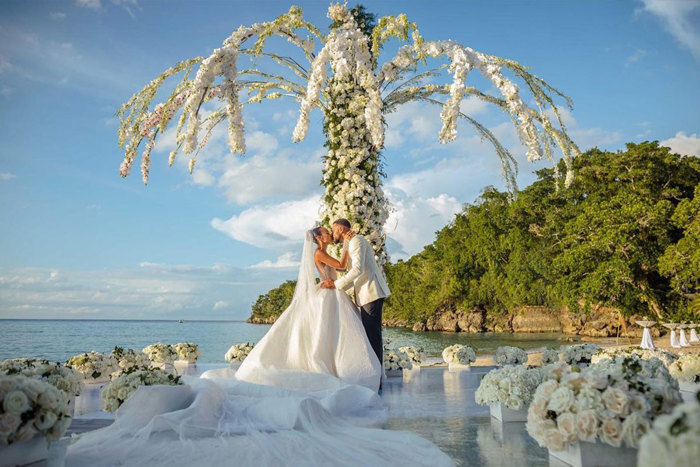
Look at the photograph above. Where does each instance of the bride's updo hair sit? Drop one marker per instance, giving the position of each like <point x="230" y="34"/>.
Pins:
<point x="315" y="232"/>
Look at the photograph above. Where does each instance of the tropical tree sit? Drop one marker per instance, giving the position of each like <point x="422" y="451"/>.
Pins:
<point x="354" y="98"/>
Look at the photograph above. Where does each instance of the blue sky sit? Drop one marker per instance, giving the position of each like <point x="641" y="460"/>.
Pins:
<point x="78" y="241"/>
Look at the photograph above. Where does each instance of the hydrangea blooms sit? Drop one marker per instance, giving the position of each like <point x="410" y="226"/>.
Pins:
<point x="394" y="360"/>
<point x="686" y="369"/>
<point x="238" y="352"/>
<point x="580" y="353"/>
<point x="188" y="351"/>
<point x="507" y="355"/>
<point x="161" y="353"/>
<point x="128" y="359"/>
<point x="549" y="356"/>
<point x="459" y="354"/>
<point x="120" y="388"/>
<point x="94" y="365"/>
<point x="666" y="357"/>
<point x="513" y="386"/>
<point x="415" y="354"/>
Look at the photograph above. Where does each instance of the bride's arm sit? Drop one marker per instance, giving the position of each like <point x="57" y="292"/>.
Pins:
<point x="325" y="258"/>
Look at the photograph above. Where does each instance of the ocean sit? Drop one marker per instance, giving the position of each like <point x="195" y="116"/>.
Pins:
<point x="58" y="340"/>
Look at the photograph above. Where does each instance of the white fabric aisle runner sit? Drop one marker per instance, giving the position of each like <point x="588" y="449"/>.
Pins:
<point x="212" y="422"/>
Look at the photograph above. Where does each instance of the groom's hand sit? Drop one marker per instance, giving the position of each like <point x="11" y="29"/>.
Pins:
<point x="328" y="284"/>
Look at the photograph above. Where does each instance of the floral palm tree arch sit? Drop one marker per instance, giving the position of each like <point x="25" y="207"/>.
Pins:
<point x="353" y="98"/>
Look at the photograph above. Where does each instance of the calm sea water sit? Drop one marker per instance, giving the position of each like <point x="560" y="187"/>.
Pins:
<point x="58" y="340"/>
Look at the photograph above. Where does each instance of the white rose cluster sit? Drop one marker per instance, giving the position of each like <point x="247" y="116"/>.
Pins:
<point x="129" y="359"/>
<point x="687" y="368"/>
<point x="549" y="356"/>
<point x="160" y="353"/>
<point x="415" y="354"/>
<point x="667" y="358"/>
<point x="507" y="355"/>
<point x="63" y="377"/>
<point x="395" y="359"/>
<point x="188" y="351"/>
<point x="580" y="353"/>
<point x="238" y="352"/>
<point x="29" y="407"/>
<point x="460" y="354"/>
<point x="614" y="401"/>
<point x="674" y="439"/>
<point x="513" y="386"/>
<point x="94" y="365"/>
<point x="119" y="389"/>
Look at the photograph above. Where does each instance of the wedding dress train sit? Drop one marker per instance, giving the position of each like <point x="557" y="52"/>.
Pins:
<point x="305" y="395"/>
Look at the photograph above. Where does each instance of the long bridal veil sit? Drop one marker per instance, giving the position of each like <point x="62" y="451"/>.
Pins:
<point x="297" y="419"/>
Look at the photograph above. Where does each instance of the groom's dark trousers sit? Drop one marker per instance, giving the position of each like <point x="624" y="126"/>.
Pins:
<point x="371" y="314"/>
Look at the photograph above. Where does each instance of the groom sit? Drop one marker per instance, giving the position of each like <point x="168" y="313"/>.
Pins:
<point x="364" y="281"/>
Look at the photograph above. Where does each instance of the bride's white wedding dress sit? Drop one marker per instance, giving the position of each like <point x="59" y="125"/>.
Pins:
<point x="305" y="395"/>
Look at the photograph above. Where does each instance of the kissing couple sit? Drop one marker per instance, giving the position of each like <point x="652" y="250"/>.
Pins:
<point x="331" y="333"/>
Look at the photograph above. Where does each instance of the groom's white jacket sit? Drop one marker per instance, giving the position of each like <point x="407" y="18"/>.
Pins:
<point x="364" y="279"/>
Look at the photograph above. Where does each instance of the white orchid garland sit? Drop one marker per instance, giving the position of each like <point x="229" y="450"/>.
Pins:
<point x="357" y="86"/>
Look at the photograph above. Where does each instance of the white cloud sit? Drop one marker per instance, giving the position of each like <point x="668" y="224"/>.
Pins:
<point x="92" y="4"/>
<point x="637" y="55"/>
<point x="686" y="145"/>
<point x="274" y="226"/>
<point x="58" y="15"/>
<point x="287" y="260"/>
<point x="414" y="220"/>
<point x="7" y="175"/>
<point x="150" y="290"/>
<point x="680" y="18"/>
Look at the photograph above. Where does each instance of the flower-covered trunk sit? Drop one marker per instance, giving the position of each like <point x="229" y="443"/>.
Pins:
<point x="353" y="170"/>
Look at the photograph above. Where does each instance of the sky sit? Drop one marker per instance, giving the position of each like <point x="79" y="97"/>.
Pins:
<point x="78" y="241"/>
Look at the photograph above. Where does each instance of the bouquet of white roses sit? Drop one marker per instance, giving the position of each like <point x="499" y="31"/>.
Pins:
<point x="549" y="356"/>
<point x="120" y="388"/>
<point x="614" y="401"/>
<point x="128" y="359"/>
<point x="94" y="365"/>
<point x="673" y="439"/>
<point x="667" y="358"/>
<point x="513" y="386"/>
<point x="416" y="354"/>
<point x="580" y="353"/>
<point x="29" y="407"/>
<point x="459" y="354"/>
<point x="687" y="368"/>
<point x="395" y="359"/>
<point x="188" y="351"/>
<point x="56" y="374"/>
<point x="238" y="352"/>
<point x="161" y="353"/>
<point x="510" y="356"/>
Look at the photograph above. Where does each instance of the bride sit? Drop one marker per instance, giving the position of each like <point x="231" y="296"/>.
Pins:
<point x="305" y="395"/>
<point x="319" y="340"/>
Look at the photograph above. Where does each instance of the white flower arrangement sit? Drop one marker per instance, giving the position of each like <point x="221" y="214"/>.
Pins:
<point x="61" y="376"/>
<point x="238" y="352"/>
<point x="507" y="355"/>
<point x="395" y="359"/>
<point x="459" y="354"/>
<point x="120" y="388"/>
<point x="687" y="368"/>
<point x="30" y="408"/>
<point x="549" y="356"/>
<point x="666" y="357"/>
<point x="128" y="359"/>
<point x="614" y="402"/>
<point x="160" y="353"/>
<point x="94" y="365"/>
<point x="416" y="354"/>
<point x="513" y="386"/>
<point x="188" y="351"/>
<point x="674" y="439"/>
<point x="580" y="353"/>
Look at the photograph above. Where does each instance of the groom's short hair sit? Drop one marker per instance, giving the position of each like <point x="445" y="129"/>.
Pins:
<point x="343" y="222"/>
